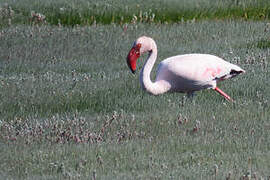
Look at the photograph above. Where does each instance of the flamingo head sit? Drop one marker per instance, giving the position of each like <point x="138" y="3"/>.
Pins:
<point x="133" y="55"/>
<point x="140" y="46"/>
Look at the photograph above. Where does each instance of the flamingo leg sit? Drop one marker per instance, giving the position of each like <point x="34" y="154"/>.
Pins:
<point x="190" y="94"/>
<point x="223" y="94"/>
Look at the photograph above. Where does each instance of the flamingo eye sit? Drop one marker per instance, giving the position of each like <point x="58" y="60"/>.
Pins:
<point x="137" y="49"/>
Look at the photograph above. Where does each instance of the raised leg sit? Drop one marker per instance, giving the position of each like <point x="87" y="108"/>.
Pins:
<point x="223" y="94"/>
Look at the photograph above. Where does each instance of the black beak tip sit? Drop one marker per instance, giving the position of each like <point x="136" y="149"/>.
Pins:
<point x="133" y="71"/>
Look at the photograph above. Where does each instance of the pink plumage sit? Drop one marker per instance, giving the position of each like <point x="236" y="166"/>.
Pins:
<point x="183" y="73"/>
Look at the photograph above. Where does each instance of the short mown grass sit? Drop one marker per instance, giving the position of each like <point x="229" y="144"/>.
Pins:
<point x="70" y="108"/>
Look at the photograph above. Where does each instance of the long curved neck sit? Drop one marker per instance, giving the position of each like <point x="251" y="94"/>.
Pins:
<point x="145" y="79"/>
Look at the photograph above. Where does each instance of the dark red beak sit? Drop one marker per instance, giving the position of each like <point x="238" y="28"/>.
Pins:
<point x="132" y="57"/>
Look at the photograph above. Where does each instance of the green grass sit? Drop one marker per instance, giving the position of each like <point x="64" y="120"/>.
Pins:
<point x="70" y="108"/>
<point x="85" y="12"/>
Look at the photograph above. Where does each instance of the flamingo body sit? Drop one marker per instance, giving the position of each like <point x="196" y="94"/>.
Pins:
<point x="193" y="72"/>
<point x="183" y="73"/>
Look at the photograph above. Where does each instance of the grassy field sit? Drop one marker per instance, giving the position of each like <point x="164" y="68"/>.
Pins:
<point x="87" y="12"/>
<point x="71" y="109"/>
